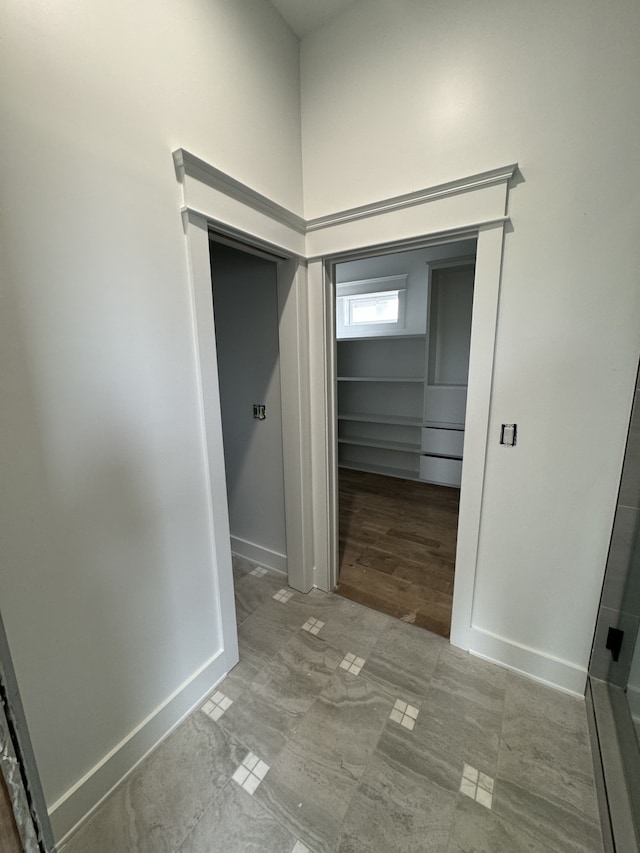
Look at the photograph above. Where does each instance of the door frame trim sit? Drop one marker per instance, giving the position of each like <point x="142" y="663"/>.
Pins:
<point x="472" y="206"/>
<point x="484" y="323"/>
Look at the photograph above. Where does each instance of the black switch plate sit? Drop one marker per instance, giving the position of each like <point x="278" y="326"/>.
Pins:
<point x="614" y="642"/>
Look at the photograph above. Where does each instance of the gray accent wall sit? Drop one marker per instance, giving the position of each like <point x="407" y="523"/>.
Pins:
<point x="450" y="322"/>
<point x="245" y="301"/>
<point x="620" y="602"/>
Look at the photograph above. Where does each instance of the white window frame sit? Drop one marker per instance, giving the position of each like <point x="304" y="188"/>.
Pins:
<point x="348" y="292"/>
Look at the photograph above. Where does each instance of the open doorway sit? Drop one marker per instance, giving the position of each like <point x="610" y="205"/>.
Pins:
<point x="246" y="317"/>
<point x="403" y="330"/>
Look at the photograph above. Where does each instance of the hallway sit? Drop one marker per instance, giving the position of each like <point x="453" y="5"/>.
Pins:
<point x="344" y="730"/>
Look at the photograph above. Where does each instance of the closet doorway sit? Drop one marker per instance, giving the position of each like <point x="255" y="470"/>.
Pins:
<point x="403" y="332"/>
<point x="246" y="319"/>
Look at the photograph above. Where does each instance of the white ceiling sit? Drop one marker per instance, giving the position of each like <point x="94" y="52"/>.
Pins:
<point x="306" y="15"/>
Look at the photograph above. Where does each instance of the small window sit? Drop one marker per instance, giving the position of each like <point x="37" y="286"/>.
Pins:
<point x="362" y="309"/>
<point x="371" y="307"/>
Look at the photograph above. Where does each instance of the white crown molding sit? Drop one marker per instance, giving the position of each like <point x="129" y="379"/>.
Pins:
<point x="192" y="166"/>
<point x="461" y="185"/>
<point x="187" y="164"/>
<point x="467" y="231"/>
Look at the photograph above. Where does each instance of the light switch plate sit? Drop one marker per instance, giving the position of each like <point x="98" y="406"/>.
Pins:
<point x="509" y="435"/>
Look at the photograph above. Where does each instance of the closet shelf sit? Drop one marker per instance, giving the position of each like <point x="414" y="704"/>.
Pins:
<point x="413" y="380"/>
<point x="364" y="441"/>
<point x="402" y="473"/>
<point x="382" y="338"/>
<point x="434" y="386"/>
<point x="369" y="418"/>
<point x="419" y="379"/>
<point x="443" y="425"/>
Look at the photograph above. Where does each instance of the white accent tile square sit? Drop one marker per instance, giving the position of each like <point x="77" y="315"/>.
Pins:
<point x="477" y="785"/>
<point x="299" y="847"/>
<point x="485" y="782"/>
<point x="468" y="787"/>
<point x="404" y="714"/>
<point x="261" y="769"/>
<point x="251" y="783"/>
<point x="313" y="625"/>
<point x="258" y="572"/>
<point x="241" y="775"/>
<point x="470" y="773"/>
<point x="251" y="773"/>
<point x="484" y="797"/>
<point x="396" y="716"/>
<point x="216" y="705"/>
<point x="352" y="663"/>
<point x="283" y="595"/>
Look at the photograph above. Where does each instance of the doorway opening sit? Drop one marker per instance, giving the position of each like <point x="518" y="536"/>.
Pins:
<point x="403" y="332"/>
<point x="246" y="321"/>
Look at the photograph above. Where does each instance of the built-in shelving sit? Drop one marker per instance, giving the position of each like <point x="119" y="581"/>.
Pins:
<point x="401" y="473"/>
<point x="365" y="441"/>
<point x="459" y="427"/>
<point x="396" y="337"/>
<point x="402" y="398"/>
<point x="418" y="379"/>
<point x="363" y="417"/>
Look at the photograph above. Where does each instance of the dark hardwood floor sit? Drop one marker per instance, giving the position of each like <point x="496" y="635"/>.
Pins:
<point x="398" y="547"/>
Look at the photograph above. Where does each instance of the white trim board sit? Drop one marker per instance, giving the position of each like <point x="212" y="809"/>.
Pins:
<point x="81" y="800"/>
<point x="189" y="165"/>
<point x="258" y="554"/>
<point x="532" y="663"/>
<point x="418" y="197"/>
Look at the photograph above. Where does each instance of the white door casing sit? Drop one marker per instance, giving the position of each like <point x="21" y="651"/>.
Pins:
<point x="470" y="207"/>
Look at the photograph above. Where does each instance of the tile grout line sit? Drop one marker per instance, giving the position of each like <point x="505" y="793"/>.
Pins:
<point x="288" y="739"/>
<point x="209" y="805"/>
<point x="265" y="802"/>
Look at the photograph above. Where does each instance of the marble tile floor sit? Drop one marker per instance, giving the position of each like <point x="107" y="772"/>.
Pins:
<point x="343" y="730"/>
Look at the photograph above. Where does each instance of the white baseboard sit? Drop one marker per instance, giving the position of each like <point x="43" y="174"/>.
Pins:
<point x="76" y="804"/>
<point x="532" y="663"/>
<point x="258" y="554"/>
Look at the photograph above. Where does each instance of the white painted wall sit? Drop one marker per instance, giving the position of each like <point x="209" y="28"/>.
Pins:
<point x="403" y="95"/>
<point x="107" y="586"/>
<point x="245" y="301"/>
